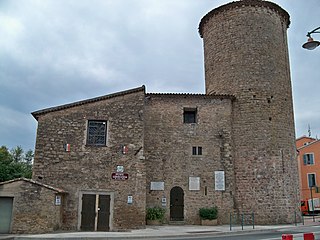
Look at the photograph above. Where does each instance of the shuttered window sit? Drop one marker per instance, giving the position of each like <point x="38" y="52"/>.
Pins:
<point x="308" y="159"/>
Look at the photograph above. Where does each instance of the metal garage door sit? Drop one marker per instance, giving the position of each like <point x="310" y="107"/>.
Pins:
<point x="5" y="214"/>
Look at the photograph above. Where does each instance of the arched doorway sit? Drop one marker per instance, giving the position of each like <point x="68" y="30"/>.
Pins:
<point x="176" y="204"/>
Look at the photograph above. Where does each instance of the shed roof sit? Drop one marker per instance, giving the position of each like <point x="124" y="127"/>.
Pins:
<point x="57" y="190"/>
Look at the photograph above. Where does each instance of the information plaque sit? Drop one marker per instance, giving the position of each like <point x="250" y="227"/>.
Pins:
<point x="194" y="183"/>
<point x="157" y="186"/>
<point x="219" y="181"/>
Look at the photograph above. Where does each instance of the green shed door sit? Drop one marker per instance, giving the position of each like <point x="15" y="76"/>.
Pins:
<point x="5" y="214"/>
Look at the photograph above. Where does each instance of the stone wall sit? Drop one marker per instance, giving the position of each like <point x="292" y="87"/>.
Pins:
<point x="34" y="209"/>
<point x="246" y="54"/>
<point x="249" y="136"/>
<point x="89" y="168"/>
<point x="168" y="151"/>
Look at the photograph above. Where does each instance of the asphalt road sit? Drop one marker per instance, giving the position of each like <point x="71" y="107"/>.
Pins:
<point x="261" y="235"/>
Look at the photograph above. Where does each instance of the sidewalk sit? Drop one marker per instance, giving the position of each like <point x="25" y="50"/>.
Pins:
<point x="149" y="232"/>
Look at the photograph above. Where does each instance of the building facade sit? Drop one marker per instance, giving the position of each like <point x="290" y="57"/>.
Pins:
<point x="87" y="148"/>
<point x="309" y="164"/>
<point x="183" y="153"/>
<point x="232" y="147"/>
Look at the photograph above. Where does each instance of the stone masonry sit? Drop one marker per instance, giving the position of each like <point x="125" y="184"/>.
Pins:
<point x="174" y="148"/>
<point x="89" y="168"/>
<point x="246" y="55"/>
<point x="168" y="151"/>
<point x="34" y="209"/>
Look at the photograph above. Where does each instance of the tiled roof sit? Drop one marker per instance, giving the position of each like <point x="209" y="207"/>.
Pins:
<point x="193" y="95"/>
<point x="142" y="88"/>
<point x="58" y="190"/>
<point x="302" y="137"/>
<point x="91" y="100"/>
<point x="307" y="145"/>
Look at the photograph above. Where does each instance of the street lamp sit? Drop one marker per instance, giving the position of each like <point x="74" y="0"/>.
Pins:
<point x="311" y="44"/>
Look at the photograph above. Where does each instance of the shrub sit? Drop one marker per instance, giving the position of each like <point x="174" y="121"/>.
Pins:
<point x="208" y="213"/>
<point x="155" y="213"/>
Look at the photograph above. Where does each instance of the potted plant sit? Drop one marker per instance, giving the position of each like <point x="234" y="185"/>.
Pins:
<point x="209" y="216"/>
<point x="155" y="215"/>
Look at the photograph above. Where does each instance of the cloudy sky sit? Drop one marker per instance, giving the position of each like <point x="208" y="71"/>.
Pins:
<point x="54" y="52"/>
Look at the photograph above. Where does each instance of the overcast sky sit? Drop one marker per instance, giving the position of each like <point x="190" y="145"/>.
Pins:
<point x="54" y="52"/>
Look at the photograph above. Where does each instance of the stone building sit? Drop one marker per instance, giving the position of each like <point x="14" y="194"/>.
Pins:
<point x="28" y="206"/>
<point x="232" y="147"/>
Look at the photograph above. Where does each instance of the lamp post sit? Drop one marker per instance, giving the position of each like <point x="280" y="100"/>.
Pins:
<point x="312" y="203"/>
<point x="311" y="44"/>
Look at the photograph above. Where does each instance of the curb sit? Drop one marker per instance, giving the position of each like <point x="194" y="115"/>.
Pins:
<point x="156" y="233"/>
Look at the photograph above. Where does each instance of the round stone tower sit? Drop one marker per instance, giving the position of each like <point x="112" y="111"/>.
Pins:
<point x="246" y="55"/>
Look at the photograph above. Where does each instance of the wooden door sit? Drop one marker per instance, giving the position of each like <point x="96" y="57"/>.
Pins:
<point x="95" y="212"/>
<point x="6" y="204"/>
<point x="88" y="213"/>
<point x="176" y="204"/>
<point x="103" y="213"/>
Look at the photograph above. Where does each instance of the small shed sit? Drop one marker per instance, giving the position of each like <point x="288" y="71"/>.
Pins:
<point x="28" y="206"/>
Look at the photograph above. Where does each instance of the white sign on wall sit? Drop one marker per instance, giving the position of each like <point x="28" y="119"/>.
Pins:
<point x="163" y="201"/>
<point x="219" y="181"/>
<point x="120" y="169"/>
<point x="157" y="186"/>
<point x="58" y="200"/>
<point x="130" y="199"/>
<point x="194" y="183"/>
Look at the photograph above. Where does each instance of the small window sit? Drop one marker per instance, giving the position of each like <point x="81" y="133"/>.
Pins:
<point x="199" y="150"/>
<point x="308" y="159"/>
<point x="311" y="179"/>
<point x="189" y="115"/>
<point x="97" y="133"/>
<point x="196" y="150"/>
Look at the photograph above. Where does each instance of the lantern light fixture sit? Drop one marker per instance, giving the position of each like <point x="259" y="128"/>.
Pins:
<point x="311" y="43"/>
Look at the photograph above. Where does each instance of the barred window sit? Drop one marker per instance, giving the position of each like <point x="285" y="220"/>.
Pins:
<point x="97" y="133"/>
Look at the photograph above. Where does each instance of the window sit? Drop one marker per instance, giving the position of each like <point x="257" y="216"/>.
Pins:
<point x="308" y="159"/>
<point x="311" y="179"/>
<point x="97" y="133"/>
<point x="189" y="115"/>
<point x="196" y="150"/>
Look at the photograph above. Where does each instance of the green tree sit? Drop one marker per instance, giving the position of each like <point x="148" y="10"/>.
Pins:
<point x="15" y="164"/>
<point x="17" y="154"/>
<point x="28" y="157"/>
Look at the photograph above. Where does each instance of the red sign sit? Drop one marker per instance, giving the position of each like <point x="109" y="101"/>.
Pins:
<point x="120" y="176"/>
